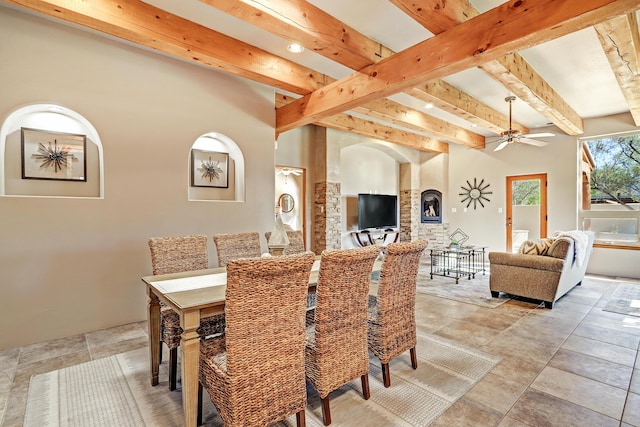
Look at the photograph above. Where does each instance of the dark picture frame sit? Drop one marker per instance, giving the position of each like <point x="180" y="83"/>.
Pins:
<point x="209" y="169"/>
<point x="431" y="206"/>
<point x="53" y="155"/>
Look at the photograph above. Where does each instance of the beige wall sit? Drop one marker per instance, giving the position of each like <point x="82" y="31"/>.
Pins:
<point x="559" y="160"/>
<point x="73" y="265"/>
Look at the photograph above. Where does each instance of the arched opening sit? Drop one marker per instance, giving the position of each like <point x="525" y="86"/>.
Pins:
<point x="48" y="121"/>
<point x="216" y="169"/>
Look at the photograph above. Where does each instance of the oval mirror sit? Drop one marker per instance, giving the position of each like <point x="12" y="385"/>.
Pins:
<point x="286" y="202"/>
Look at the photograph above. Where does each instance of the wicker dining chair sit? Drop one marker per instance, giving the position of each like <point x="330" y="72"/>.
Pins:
<point x="236" y="245"/>
<point x="392" y="321"/>
<point x="336" y="346"/>
<point x="296" y="242"/>
<point x="254" y="372"/>
<point x="175" y="255"/>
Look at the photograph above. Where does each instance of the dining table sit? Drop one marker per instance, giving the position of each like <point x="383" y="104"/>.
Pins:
<point x="194" y="295"/>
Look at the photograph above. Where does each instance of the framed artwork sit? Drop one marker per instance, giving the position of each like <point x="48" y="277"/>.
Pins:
<point x="53" y="155"/>
<point x="209" y="169"/>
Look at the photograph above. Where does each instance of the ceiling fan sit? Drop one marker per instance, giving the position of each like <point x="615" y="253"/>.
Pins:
<point x="288" y="171"/>
<point x="511" y="135"/>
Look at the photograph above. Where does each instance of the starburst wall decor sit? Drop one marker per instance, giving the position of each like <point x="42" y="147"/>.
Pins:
<point x="53" y="155"/>
<point x="209" y="169"/>
<point x="475" y="193"/>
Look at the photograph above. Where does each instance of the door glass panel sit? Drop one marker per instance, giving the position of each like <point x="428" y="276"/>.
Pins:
<point x="525" y="211"/>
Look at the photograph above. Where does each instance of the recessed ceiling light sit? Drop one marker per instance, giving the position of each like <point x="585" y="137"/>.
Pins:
<point x="474" y="125"/>
<point x="295" y="48"/>
<point x="428" y="105"/>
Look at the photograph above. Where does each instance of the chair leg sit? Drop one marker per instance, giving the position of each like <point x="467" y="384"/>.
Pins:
<point x="199" y="420"/>
<point x="386" y="378"/>
<point x="326" y="412"/>
<point x="160" y="357"/>
<point x="414" y="358"/>
<point x="300" y="419"/>
<point x="365" y="386"/>
<point x="173" y="368"/>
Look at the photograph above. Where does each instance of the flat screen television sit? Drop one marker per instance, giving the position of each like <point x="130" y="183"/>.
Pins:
<point x="377" y="211"/>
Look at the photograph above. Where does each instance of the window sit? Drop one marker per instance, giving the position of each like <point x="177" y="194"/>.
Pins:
<point x="611" y="189"/>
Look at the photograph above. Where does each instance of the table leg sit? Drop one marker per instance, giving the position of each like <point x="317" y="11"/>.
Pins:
<point x="190" y="348"/>
<point x="154" y="335"/>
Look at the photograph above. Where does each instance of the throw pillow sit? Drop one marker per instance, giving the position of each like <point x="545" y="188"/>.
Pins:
<point x="536" y="246"/>
<point x="560" y="247"/>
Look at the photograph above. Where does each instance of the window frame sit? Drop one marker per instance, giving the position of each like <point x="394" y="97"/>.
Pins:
<point x="586" y="161"/>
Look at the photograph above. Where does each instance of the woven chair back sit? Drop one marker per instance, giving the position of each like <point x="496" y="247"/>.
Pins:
<point x="236" y="245"/>
<point x="296" y="242"/>
<point x="265" y="314"/>
<point x="341" y="317"/>
<point x="179" y="253"/>
<point x="395" y="328"/>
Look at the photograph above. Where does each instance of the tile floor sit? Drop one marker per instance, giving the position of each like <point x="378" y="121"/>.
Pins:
<point x="575" y="365"/>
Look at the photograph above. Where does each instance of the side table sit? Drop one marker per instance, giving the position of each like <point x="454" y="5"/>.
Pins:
<point x="457" y="263"/>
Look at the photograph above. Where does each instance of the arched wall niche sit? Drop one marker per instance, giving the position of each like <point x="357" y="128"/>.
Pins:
<point x="53" y="118"/>
<point x="217" y="144"/>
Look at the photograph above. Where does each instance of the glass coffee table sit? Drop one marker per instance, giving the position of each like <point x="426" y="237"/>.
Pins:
<point x="458" y="262"/>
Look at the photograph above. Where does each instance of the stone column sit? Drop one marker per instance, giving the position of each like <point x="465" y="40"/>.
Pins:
<point x="327" y="215"/>
<point x="409" y="202"/>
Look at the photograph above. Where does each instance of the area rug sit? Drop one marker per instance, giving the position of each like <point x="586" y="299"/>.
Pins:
<point x="472" y="291"/>
<point x="625" y="300"/>
<point x="115" y="391"/>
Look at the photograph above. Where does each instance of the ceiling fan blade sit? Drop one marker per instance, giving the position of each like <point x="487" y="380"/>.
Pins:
<point x="539" y="135"/>
<point x="501" y="146"/>
<point x="533" y="142"/>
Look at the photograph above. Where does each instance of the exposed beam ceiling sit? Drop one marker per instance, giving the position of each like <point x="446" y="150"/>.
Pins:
<point x="521" y="79"/>
<point x="358" y="126"/>
<point x="512" y="71"/>
<point x="507" y="28"/>
<point x="329" y="37"/>
<point x="450" y="99"/>
<point x="490" y="43"/>
<point x="621" y="43"/>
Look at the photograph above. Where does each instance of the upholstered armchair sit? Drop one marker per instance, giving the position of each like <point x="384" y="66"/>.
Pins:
<point x="545" y="270"/>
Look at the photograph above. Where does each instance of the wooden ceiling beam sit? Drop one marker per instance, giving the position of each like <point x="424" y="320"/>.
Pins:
<point x="448" y="98"/>
<point x="303" y="22"/>
<point x="513" y="71"/>
<point x="437" y="16"/>
<point x="620" y="40"/>
<point x="367" y="128"/>
<point x="507" y="28"/>
<point x="148" y="26"/>
<point x="348" y="123"/>
<point x="400" y="115"/>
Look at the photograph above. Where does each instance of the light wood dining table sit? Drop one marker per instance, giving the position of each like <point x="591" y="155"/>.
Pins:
<point x="193" y="295"/>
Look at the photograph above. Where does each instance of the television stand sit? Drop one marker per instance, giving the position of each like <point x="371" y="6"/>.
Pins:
<point x="375" y="237"/>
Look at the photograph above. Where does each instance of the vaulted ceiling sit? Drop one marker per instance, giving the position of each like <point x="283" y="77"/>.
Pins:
<point x="370" y="67"/>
